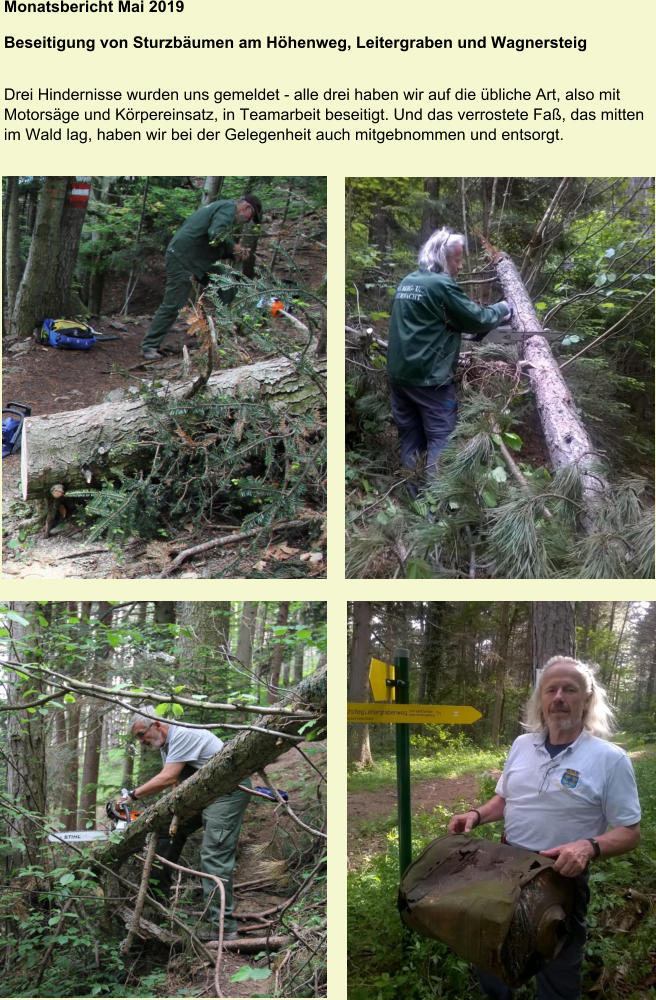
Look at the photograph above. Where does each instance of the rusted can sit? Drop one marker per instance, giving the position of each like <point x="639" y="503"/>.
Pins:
<point x="502" y="908"/>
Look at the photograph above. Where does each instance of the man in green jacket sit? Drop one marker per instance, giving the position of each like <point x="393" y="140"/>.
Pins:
<point x="429" y="314"/>
<point x="201" y="241"/>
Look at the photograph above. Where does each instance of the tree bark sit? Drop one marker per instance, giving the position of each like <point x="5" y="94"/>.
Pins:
<point x="359" y="749"/>
<point x="93" y="730"/>
<point x="25" y="740"/>
<point x="12" y="244"/>
<point x="212" y="189"/>
<point x="250" y="751"/>
<point x="554" y="631"/>
<point x="567" y="440"/>
<point x="278" y="652"/>
<point x="37" y="291"/>
<point x="70" y="232"/>
<point x="77" y="447"/>
<point x="246" y="634"/>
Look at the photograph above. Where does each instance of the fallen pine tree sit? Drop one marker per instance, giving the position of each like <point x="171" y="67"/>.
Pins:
<point x="567" y="440"/>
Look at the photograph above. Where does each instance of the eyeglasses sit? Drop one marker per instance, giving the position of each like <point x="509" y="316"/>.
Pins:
<point x="140" y="736"/>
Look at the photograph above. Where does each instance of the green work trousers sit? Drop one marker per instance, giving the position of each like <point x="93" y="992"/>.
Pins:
<point x="221" y="822"/>
<point x="177" y="291"/>
<point x="176" y="295"/>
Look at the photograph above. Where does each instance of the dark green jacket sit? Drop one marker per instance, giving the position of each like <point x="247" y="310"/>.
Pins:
<point x="204" y="237"/>
<point x="430" y="312"/>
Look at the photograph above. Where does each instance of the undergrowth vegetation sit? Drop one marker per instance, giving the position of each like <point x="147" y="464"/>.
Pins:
<point x="386" y="961"/>
<point x="499" y="507"/>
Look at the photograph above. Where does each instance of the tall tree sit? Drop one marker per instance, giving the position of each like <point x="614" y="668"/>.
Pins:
<point x="359" y="749"/>
<point x="26" y="736"/>
<point x="36" y="297"/>
<point x="554" y="631"/>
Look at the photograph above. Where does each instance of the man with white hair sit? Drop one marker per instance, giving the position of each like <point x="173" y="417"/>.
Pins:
<point x="184" y="750"/>
<point x="429" y="314"/>
<point x="566" y="793"/>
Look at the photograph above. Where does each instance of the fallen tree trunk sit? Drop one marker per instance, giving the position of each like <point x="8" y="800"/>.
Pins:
<point x="566" y="438"/>
<point x="77" y="447"/>
<point x="248" y="752"/>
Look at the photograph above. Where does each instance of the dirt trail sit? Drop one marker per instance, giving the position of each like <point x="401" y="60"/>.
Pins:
<point x="363" y="807"/>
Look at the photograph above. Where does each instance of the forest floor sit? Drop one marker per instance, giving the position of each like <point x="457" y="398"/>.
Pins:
<point x="264" y="878"/>
<point x="54" y="381"/>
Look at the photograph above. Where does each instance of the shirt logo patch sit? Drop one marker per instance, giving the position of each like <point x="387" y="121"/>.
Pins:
<point x="570" y="778"/>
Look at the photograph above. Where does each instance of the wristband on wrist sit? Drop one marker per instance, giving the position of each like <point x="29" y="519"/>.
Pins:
<point x="132" y="794"/>
<point x="478" y="821"/>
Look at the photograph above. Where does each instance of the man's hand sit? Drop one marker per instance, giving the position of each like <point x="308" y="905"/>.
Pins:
<point x="508" y="314"/>
<point x="572" y="858"/>
<point x="462" y="823"/>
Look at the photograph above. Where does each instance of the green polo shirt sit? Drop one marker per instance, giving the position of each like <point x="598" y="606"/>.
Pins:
<point x="204" y="237"/>
<point x="430" y="312"/>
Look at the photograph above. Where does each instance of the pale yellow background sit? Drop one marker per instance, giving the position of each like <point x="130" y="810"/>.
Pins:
<point x="620" y="53"/>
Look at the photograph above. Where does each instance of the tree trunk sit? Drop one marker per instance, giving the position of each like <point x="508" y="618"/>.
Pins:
<point x="554" y="631"/>
<point x="37" y="291"/>
<point x="70" y="231"/>
<point x="93" y="730"/>
<point x="277" y="652"/>
<point x="246" y="634"/>
<point x="250" y="751"/>
<point x="430" y="217"/>
<point x="77" y="447"/>
<point x="12" y="257"/>
<point x="359" y="749"/>
<point x="212" y="189"/>
<point x="25" y="739"/>
<point x="567" y="440"/>
<point x="502" y="666"/>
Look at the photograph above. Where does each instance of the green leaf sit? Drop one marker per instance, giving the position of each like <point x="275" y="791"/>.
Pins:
<point x="417" y="569"/>
<point x="540" y="306"/>
<point x="13" y="616"/>
<point x="178" y="710"/>
<point x="249" y="972"/>
<point x="163" y="708"/>
<point x="571" y="339"/>
<point x="68" y="697"/>
<point x="499" y="474"/>
<point x="67" y="878"/>
<point x="489" y="497"/>
<point x="512" y="440"/>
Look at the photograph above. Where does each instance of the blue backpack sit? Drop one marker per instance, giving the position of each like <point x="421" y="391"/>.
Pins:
<point x="12" y="426"/>
<point x="69" y="334"/>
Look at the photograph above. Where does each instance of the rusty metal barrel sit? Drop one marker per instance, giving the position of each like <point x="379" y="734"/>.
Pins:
<point x="502" y="908"/>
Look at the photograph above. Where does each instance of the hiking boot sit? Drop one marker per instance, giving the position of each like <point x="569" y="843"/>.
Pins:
<point x="150" y="354"/>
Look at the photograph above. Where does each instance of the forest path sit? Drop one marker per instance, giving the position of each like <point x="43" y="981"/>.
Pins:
<point x="367" y="807"/>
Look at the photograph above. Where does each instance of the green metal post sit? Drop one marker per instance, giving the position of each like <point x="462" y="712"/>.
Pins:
<point x="402" y="685"/>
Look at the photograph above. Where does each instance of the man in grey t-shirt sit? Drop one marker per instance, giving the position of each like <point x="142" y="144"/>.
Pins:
<point x="183" y="752"/>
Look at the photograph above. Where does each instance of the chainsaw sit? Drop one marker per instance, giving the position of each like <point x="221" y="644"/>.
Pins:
<point x="120" y="816"/>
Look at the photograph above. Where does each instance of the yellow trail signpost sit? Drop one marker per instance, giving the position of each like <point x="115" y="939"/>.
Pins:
<point x="373" y="712"/>
<point x="390" y="686"/>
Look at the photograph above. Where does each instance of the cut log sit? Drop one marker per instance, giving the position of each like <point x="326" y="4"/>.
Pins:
<point x="77" y="447"/>
<point x="566" y="438"/>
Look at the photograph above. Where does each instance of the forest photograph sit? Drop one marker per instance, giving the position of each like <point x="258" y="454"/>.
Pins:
<point x="525" y="862"/>
<point x="163" y="798"/>
<point x="499" y="377"/>
<point x="164" y="376"/>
